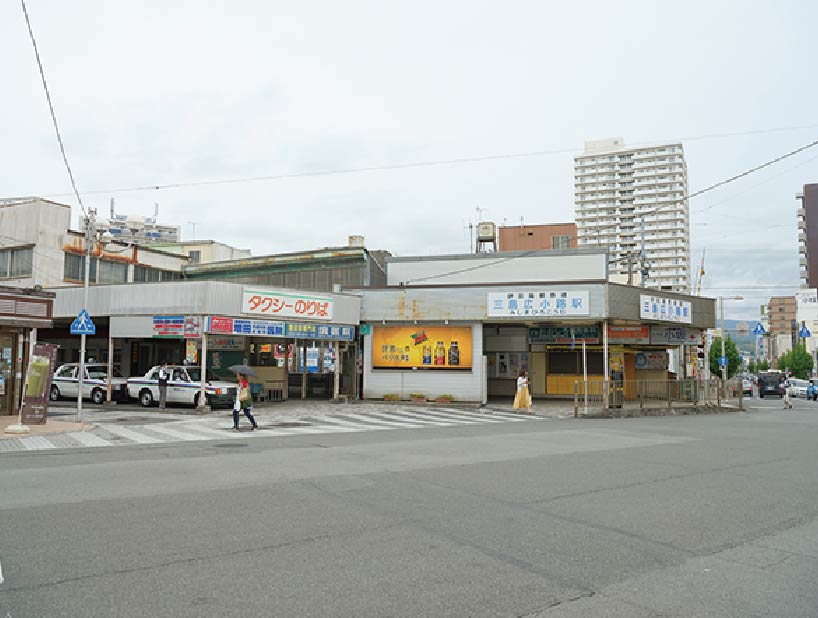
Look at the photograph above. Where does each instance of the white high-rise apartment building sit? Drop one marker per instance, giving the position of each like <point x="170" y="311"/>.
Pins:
<point x="616" y="189"/>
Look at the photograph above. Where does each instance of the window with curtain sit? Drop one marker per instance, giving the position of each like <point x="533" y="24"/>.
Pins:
<point x="16" y="263"/>
<point x="74" y="268"/>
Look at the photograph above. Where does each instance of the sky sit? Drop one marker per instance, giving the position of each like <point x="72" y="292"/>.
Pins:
<point x="155" y="93"/>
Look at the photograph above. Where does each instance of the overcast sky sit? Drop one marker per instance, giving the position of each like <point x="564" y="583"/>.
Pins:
<point x="163" y="92"/>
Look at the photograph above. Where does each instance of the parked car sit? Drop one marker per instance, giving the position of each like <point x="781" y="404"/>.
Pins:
<point x="183" y="387"/>
<point x="65" y="383"/>
<point x="770" y="384"/>
<point x="798" y="388"/>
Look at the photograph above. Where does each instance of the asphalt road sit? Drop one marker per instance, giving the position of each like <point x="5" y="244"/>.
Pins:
<point x="671" y="516"/>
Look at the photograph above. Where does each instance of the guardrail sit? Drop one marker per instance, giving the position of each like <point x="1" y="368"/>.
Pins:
<point x="614" y="394"/>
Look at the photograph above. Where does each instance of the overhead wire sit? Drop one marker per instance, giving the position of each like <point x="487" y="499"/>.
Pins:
<point x="51" y="109"/>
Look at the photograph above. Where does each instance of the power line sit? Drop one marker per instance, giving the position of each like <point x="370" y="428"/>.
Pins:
<point x="51" y="109"/>
<point x="407" y="165"/>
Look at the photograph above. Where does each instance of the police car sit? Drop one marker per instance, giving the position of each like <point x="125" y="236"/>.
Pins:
<point x="65" y="383"/>
<point x="183" y="387"/>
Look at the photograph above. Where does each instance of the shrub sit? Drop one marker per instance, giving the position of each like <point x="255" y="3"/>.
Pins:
<point x="391" y="397"/>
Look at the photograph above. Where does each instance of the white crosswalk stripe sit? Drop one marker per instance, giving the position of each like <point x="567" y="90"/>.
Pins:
<point x="203" y="429"/>
<point x="86" y="438"/>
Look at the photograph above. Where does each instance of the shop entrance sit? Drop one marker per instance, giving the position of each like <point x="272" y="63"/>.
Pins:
<point x="8" y="369"/>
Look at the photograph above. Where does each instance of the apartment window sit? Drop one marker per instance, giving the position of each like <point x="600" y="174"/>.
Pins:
<point x="195" y="256"/>
<point x="561" y="242"/>
<point x="16" y="263"/>
<point x="169" y="275"/>
<point x="112" y="272"/>
<point x="74" y="268"/>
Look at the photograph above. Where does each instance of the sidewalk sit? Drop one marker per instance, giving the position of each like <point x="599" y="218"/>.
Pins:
<point x="50" y="426"/>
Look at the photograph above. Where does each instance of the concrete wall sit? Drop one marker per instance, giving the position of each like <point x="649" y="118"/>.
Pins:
<point x="491" y="268"/>
<point x="463" y="385"/>
<point x="528" y="237"/>
<point x="43" y="224"/>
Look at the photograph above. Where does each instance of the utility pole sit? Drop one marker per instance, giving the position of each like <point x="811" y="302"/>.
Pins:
<point x="643" y="257"/>
<point x="90" y="233"/>
<point x="630" y="268"/>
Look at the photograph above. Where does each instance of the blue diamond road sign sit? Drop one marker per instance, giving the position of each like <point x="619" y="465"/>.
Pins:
<point x="83" y="325"/>
<point x="722" y="361"/>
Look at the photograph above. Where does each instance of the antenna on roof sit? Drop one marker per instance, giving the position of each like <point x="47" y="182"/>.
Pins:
<point x="112" y="209"/>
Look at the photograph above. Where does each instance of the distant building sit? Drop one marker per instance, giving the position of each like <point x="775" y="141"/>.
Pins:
<point x="616" y="190"/>
<point x="807" y="215"/>
<point x="38" y="248"/>
<point x="782" y="316"/>
<point x="323" y="270"/>
<point x="204" y="251"/>
<point x="549" y="236"/>
<point x="137" y="229"/>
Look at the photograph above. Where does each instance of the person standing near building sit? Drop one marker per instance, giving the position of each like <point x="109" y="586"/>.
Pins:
<point x="523" y="398"/>
<point x="244" y="401"/>
<point x="163" y="385"/>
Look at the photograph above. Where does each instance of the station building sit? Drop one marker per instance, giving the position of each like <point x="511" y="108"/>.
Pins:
<point x="465" y="325"/>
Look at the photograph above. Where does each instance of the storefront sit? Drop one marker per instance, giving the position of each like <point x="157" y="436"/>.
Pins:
<point x="298" y="343"/>
<point x="22" y="312"/>
<point x="561" y="335"/>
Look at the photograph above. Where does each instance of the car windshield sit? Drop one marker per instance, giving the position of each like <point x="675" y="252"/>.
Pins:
<point x="195" y="374"/>
<point x="100" y="373"/>
<point x="803" y="383"/>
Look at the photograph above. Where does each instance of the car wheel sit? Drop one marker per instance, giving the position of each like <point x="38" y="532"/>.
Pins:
<point x="54" y="395"/>
<point x="196" y="400"/>
<point x="146" y="398"/>
<point x="98" y="396"/>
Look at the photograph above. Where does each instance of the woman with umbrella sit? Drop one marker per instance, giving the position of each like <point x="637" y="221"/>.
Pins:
<point x="244" y="401"/>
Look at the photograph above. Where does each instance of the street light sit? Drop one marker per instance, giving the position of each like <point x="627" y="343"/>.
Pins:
<point x="723" y="337"/>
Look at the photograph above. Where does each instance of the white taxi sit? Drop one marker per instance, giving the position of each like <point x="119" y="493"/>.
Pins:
<point x="66" y="381"/>
<point x="183" y="387"/>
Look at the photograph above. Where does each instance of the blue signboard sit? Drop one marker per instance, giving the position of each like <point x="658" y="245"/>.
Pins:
<point x="333" y="332"/>
<point x="804" y="333"/>
<point x="260" y="328"/>
<point x="759" y="329"/>
<point x="83" y="325"/>
<point x="722" y="361"/>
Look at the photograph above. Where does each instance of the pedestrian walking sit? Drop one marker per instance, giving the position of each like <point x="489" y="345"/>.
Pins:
<point x="522" y="400"/>
<point x="163" y="385"/>
<point x="786" y="396"/>
<point x="244" y="402"/>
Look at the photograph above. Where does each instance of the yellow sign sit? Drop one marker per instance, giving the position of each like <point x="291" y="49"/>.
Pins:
<point x="424" y="347"/>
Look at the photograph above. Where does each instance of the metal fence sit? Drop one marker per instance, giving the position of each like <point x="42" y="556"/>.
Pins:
<point x="616" y="394"/>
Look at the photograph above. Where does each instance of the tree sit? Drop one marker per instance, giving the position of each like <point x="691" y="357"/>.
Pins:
<point x="763" y="366"/>
<point x="733" y="362"/>
<point x="797" y="360"/>
<point x="751" y="366"/>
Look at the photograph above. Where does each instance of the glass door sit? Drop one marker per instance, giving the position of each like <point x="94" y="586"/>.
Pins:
<point x="7" y="347"/>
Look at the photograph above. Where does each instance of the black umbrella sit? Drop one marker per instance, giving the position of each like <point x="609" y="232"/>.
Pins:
<point x="242" y="369"/>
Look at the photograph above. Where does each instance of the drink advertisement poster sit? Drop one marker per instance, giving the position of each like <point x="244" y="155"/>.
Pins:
<point x="38" y="384"/>
<point x="422" y="347"/>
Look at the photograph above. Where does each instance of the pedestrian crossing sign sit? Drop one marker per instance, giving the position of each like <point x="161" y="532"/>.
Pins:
<point x="83" y="325"/>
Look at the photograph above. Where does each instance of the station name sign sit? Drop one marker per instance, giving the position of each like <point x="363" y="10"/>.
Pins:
<point x="664" y="309"/>
<point x="283" y="305"/>
<point x="537" y="303"/>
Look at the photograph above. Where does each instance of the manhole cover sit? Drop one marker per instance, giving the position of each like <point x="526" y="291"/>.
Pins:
<point x="229" y="445"/>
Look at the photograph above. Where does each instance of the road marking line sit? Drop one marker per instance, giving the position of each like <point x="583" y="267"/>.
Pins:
<point x="36" y="443"/>
<point x="88" y="439"/>
<point x="425" y="421"/>
<point x="1" y="573"/>
<point x="179" y="435"/>
<point x="133" y="436"/>
<point x="363" y="417"/>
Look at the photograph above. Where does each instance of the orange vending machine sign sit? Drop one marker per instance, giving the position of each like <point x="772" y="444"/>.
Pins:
<point x="424" y="347"/>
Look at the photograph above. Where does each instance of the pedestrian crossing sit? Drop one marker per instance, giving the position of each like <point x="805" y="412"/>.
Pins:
<point x="203" y="429"/>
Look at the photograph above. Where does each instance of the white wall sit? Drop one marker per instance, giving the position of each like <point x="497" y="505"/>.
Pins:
<point x="464" y="386"/>
<point x="42" y="223"/>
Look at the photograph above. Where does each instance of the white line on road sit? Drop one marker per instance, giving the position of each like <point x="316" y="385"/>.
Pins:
<point x="133" y="436"/>
<point x="36" y="443"/>
<point x="88" y="439"/>
<point x="1" y="572"/>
